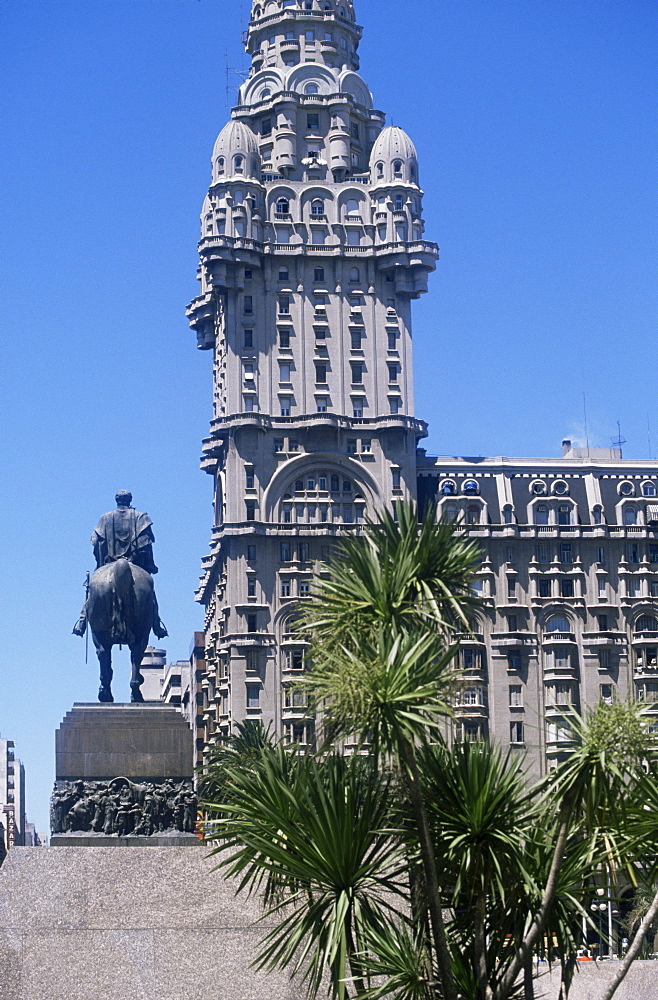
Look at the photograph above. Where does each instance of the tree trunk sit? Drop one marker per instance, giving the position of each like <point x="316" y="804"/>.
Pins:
<point x="635" y="945"/>
<point x="410" y="766"/>
<point x="528" y="980"/>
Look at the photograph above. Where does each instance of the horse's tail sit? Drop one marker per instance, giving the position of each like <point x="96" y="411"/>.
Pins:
<point x="122" y="602"/>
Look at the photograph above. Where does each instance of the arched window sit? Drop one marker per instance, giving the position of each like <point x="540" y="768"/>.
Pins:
<point x="265" y="93"/>
<point x="221" y="163"/>
<point x="538" y="487"/>
<point x="560" y="488"/>
<point x="398" y="203"/>
<point x="412" y="172"/>
<point x="448" y="488"/>
<point x="352" y="206"/>
<point x="627" y="489"/>
<point x="397" y="168"/>
<point x="558" y="623"/>
<point x="630" y="515"/>
<point x="541" y="514"/>
<point x="238" y="163"/>
<point x="317" y="206"/>
<point x="256" y="11"/>
<point x="335" y="484"/>
<point x="508" y="514"/>
<point x="473" y="514"/>
<point x="646" y="623"/>
<point x="648" y="489"/>
<point x="470" y="486"/>
<point x="299" y="486"/>
<point x="282" y="206"/>
<point x="354" y="275"/>
<point x="597" y="514"/>
<point x="380" y="169"/>
<point x="311" y="88"/>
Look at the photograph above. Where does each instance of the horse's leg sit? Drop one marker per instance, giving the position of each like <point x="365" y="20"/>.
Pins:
<point x="136" y="678"/>
<point x="105" y="661"/>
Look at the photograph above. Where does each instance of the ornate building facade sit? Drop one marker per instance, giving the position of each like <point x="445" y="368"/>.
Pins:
<point x="311" y="254"/>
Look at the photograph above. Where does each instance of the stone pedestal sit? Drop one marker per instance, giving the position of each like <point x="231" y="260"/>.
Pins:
<point x="123" y="777"/>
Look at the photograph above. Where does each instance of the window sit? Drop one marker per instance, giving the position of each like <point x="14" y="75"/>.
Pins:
<point x="321" y="406"/>
<point x="220" y="165"/>
<point x="357" y="372"/>
<point x="252" y="623"/>
<point x="285" y="406"/>
<point x="285" y="588"/>
<point x="366" y="445"/>
<point x="249" y="477"/>
<point x="249" y="404"/>
<point x="351" y="446"/>
<point x="303" y="550"/>
<point x="284" y="304"/>
<point x="354" y="276"/>
<point x="448" y="488"/>
<point x="392" y="340"/>
<point x="558" y="623"/>
<point x="251" y="553"/>
<point x="347" y="486"/>
<point x="248" y="304"/>
<point x="251" y="587"/>
<point x="648" y="489"/>
<point x="250" y="509"/>
<point x="512" y="622"/>
<point x="566" y="588"/>
<point x="283" y="274"/>
<point x="543" y="553"/>
<point x="284" y="371"/>
<point x="653" y="553"/>
<point x="248" y="339"/>
<point x="284" y="339"/>
<point x="309" y="34"/>
<point x="285" y="552"/>
<point x="626" y="489"/>
<point x="239" y="164"/>
<point x="248" y="371"/>
<point x="564" y="514"/>
<point x="602" y="622"/>
<point x="318" y="274"/>
<point x="471" y="659"/>
<point x="356" y="340"/>
<point x="313" y="122"/>
<point x="516" y="732"/>
<point x="278" y="444"/>
<point x="607" y="693"/>
<point x="515" y="696"/>
<point x="253" y="696"/>
<point x="393" y="372"/>
<point x="565" y="552"/>
<point x="304" y="588"/>
<point x="544" y="588"/>
<point x="473" y="514"/>
<point x="266" y="126"/>
<point x="355" y="131"/>
<point x="653" y="588"/>
<point x="605" y="659"/>
<point x="630" y="515"/>
<point x="600" y="556"/>
<point x="394" y="406"/>
<point x="317" y="207"/>
<point x="648" y="691"/>
<point x="646" y="623"/>
<point x="514" y="660"/>
<point x="321" y="373"/>
<point x="508" y="514"/>
<point x="511" y="587"/>
<point x="395" y="476"/>
<point x="335" y="483"/>
<point x="541" y="514"/>
<point x="633" y="552"/>
<point x="282" y="206"/>
<point x="597" y="515"/>
<point x="632" y="588"/>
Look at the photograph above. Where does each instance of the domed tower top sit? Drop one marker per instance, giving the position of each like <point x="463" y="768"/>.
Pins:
<point x="291" y="32"/>
<point x="235" y="153"/>
<point x="393" y="158"/>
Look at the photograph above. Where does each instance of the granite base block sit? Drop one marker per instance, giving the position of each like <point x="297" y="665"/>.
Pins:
<point x="119" y="923"/>
<point x="88" y="839"/>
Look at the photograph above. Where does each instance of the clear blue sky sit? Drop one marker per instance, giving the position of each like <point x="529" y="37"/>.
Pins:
<point x="536" y="127"/>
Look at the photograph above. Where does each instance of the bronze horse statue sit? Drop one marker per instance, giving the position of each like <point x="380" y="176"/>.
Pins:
<point x="121" y="607"/>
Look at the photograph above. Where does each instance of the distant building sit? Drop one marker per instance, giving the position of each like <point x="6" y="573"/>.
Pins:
<point x="177" y="683"/>
<point x="12" y="795"/>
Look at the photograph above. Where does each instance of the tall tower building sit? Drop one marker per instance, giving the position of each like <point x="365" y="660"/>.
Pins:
<point x="311" y="253"/>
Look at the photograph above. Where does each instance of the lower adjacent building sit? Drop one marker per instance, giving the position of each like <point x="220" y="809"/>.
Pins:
<point x="569" y="589"/>
<point x="12" y="795"/>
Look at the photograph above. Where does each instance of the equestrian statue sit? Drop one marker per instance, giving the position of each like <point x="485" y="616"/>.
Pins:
<point x="120" y="605"/>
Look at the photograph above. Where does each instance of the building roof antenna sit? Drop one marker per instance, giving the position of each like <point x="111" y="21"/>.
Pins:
<point x="619" y="440"/>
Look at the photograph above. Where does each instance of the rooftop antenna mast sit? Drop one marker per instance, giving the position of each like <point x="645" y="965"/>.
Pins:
<point x="619" y="440"/>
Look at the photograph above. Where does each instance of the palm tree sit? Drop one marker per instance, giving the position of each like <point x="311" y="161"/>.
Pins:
<point x="382" y="629"/>
<point x="312" y="836"/>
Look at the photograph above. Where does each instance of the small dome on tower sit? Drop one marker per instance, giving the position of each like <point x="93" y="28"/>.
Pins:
<point x="235" y="153"/>
<point x="393" y="157"/>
